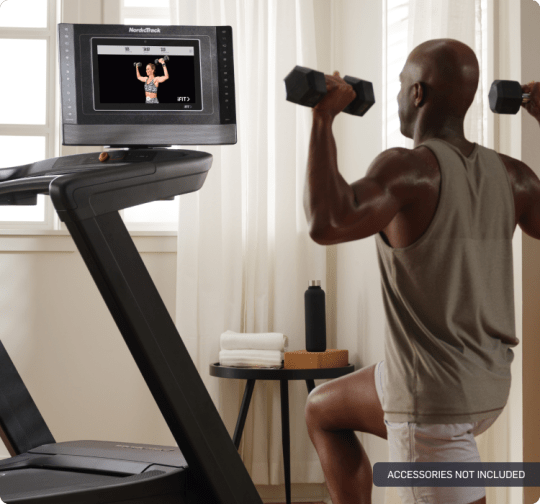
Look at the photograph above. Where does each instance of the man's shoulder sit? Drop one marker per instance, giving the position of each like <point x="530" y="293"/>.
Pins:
<point x="512" y="164"/>
<point x="412" y="175"/>
<point x="419" y="162"/>
<point x="523" y="179"/>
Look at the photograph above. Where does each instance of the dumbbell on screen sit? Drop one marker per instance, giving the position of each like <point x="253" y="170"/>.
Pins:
<point x="137" y="64"/>
<point x="166" y="58"/>
<point x="307" y="87"/>
<point x="506" y="97"/>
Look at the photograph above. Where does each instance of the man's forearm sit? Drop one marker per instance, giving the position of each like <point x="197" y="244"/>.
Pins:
<point x="327" y="196"/>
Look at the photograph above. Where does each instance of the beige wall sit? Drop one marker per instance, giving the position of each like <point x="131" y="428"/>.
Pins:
<point x="530" y="70"/>
<point x="68" y="350"/>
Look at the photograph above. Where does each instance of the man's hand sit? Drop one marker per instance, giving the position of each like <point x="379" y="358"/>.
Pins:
<point x="162" y="61"/>
<point x="339" y="95"/>
<point x="533" y="105"/>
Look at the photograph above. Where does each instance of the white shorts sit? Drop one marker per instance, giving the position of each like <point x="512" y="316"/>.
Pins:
<point x="415" y="442"/>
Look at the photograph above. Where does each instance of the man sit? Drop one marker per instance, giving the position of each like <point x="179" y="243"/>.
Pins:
<point x="444" y="214"/>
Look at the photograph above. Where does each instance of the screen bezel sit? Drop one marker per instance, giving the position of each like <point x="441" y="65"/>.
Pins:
<point x="215" y="124"/>
<point x="197" y="106"/>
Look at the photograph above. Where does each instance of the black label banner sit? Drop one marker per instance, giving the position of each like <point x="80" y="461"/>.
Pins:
<point x="456" y="474"/>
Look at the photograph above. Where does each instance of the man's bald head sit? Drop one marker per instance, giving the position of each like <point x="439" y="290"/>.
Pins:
<point x="449" y="70"/>
<point x="438" y="84"/>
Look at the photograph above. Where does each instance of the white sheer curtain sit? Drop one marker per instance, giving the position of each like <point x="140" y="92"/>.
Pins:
<point x="464" y="20"/>
<point x="461" y="20"/>
<point x="244" y="254"/>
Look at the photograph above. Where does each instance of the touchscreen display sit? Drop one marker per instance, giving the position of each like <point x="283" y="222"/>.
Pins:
<point x="153" y="74"/>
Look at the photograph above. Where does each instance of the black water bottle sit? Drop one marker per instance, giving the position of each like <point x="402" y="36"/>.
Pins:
<point x="315" y="317"/>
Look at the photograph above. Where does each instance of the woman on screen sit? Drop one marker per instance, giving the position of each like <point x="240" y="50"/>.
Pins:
<point x="151" y="82"/>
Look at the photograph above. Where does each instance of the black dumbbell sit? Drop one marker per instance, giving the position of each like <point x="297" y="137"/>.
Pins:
<point x="137" y="64"/>
<point x="506" y="97"/>
<point x="307" y="87"/>
<point x="166" y="58"/>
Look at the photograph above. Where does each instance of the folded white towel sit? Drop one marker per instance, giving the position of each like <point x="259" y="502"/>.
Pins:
<point x="231" y="340"/>
<point x="251" y="358"/>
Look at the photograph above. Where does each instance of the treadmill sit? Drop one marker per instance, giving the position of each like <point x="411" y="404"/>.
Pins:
<point x="205" y="468"/>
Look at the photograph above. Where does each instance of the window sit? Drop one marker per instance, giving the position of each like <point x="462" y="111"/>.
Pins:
<point x="395" y="34"/>
<point x="27" y="120"/>
<point x="137" y="12"/>
<point x="395" y="51"/>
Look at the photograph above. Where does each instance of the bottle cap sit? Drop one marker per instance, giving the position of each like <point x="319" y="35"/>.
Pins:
<point x="314" y="283"/>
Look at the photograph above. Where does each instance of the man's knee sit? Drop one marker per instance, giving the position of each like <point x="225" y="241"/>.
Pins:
<point x="316" y="409"/>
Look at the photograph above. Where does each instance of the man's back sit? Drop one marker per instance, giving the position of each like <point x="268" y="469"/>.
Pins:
<point x="449" y="297"/>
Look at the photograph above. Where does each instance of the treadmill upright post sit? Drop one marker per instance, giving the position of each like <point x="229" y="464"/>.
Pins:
<point x="21" y="425"/>
<point x="160" y="354"/>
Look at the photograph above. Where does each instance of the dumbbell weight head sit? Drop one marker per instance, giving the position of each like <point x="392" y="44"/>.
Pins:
<point x="166" y="58"/>
<point x="506" y="97"/>
<point x="365" y="97"/>
<point x="305" y="86"/>
<point x="137" y="64"/>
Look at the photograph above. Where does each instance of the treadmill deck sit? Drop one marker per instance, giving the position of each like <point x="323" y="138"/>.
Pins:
<point x="91" y="472"/>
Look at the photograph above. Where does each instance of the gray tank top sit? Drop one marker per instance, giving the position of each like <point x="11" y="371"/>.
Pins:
<point x="449" y="298"/>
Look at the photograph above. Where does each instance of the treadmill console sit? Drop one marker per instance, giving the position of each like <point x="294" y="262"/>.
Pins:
<point x="131" y="86"/>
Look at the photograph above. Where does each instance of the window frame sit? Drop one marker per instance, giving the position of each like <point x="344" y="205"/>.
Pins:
<point x="51" y="130"/>
<point x="488" y="34"/>
<point x="47" y="130"/>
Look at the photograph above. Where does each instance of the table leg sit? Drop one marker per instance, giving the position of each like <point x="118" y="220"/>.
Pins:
<point x="248" y="392"/>
<point x="286" y="437"/>
<point x="310" y="385"/>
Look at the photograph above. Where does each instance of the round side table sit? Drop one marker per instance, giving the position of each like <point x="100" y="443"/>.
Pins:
<point x="283" y="375"/>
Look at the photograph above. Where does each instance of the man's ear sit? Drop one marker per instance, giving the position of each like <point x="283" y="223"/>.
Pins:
<point x="419" y="94"/>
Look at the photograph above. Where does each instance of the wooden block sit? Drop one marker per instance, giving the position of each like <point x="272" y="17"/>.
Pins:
<point x="302" y="359"/>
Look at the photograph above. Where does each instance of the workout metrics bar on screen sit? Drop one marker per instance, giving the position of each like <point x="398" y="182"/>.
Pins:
<point x="138" y="50"/>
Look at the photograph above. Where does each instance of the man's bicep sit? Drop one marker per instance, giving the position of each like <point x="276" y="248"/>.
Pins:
<point x="376" y="206"/>
<point x="529" y="220"/>
<point x="384" y="191"/>
<point x="526" y="190"/>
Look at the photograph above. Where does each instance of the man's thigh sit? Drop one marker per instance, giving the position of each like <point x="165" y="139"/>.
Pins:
<point x="350" y="403"/>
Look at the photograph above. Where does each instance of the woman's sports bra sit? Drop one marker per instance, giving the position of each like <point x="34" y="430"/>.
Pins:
<point x="150" y="87"/>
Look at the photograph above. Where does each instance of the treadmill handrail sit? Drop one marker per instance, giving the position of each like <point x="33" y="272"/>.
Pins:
<point x="28" y="184"/>
<point x="92" y="190"/>
<point x="89" y="194"/>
